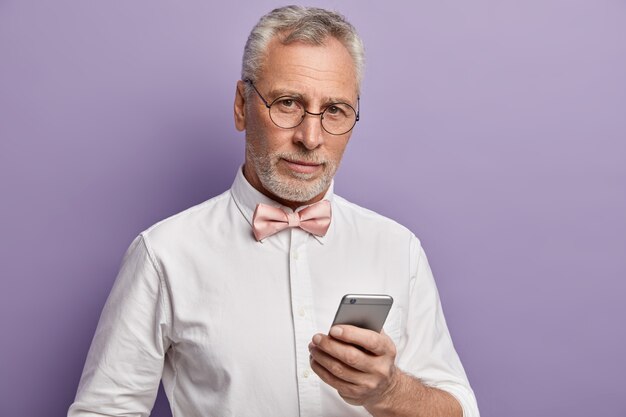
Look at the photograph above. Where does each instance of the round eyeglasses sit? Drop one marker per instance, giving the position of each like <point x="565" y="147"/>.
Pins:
<point x="288" y="112"/>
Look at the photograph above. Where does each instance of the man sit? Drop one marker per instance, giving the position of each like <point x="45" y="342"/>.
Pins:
<point x="229" y="302"/>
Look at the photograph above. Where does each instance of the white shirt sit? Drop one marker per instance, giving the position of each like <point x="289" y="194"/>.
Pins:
<point x="225" y="321"/>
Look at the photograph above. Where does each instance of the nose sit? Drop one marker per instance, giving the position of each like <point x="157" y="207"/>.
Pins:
<point x="310" y="132"/>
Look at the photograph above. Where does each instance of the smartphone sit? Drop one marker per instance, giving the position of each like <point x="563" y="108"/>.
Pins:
<point x="368" y="311"/>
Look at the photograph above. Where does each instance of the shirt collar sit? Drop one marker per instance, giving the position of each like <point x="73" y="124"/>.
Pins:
<point x="247" y="197"/>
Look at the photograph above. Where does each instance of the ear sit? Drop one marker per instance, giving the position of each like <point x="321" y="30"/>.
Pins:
<point x="240" y="106"/>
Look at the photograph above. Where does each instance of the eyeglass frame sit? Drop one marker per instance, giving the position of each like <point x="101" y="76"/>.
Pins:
<point x="321" y="114"/>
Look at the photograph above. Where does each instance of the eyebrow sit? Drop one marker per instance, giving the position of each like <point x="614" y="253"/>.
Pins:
<point x="276" y="93"/>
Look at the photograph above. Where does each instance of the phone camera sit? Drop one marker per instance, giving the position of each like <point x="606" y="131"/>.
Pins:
<point x="353" y="301"/>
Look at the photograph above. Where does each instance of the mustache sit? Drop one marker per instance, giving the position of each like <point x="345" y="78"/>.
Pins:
<point x="303" y="156"/>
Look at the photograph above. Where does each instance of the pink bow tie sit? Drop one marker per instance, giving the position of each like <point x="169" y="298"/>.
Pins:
<point x="268" y="220"/>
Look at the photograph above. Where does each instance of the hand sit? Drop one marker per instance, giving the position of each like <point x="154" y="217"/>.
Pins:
<point x="358" y="363"/>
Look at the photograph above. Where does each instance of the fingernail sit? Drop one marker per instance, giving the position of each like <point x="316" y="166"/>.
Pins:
<point x="317" y="339"/>
<point x="336" y="331"/>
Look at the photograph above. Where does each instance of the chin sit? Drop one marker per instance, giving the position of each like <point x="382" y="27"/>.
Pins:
<point x="296" y="190"/>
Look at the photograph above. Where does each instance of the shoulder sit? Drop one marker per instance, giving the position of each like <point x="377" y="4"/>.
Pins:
<point x="360" y="218"/>
<point x="189" y="224"/>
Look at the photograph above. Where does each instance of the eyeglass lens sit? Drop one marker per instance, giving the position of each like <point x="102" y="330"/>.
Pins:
<point x="337" y="119"/>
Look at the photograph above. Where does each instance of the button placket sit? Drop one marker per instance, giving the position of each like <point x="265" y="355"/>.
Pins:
<point x="304" y="323"/>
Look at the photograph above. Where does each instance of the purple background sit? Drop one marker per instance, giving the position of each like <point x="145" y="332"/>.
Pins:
<point x="495" y="130"/>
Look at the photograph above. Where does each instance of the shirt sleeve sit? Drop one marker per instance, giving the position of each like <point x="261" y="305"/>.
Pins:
<point x="430" y="354"/>
<point x="125" y="362"/>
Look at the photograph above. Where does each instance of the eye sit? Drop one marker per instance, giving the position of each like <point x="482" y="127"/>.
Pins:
<point x="333" y="109"/>
<point x="337" y="110"/>
<point x="287" y="103"/>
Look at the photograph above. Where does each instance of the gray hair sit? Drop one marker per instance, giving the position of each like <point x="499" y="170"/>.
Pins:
<point x="310" y="25"/>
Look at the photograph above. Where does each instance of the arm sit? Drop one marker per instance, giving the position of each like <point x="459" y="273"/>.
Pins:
<point x="369" y="377"/>
<point x="125" y="362"/>
<point x="426" y="351"/>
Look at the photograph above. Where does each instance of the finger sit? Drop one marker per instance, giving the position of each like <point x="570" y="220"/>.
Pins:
<point x="377" y="343"/>
<point x="336" y="367"/>
<point x="348" y="391"/>
<point x="346" y="353"/>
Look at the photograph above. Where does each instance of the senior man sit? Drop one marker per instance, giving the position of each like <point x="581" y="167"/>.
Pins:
<point x="229" y="302"/>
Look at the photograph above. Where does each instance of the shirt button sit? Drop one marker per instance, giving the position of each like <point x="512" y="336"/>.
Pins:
<point x="301" y="312"/>
<point x="306" y="373"/>
<point x="295" y="256"/>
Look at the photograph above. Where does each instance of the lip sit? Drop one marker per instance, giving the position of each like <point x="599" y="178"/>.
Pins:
<point x="303" y="167"/>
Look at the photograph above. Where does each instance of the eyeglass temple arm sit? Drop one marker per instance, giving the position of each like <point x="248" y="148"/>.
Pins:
<point x="249" y="81"/>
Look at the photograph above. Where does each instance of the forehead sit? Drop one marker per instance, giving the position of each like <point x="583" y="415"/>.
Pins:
<point x="314" y="70"/>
